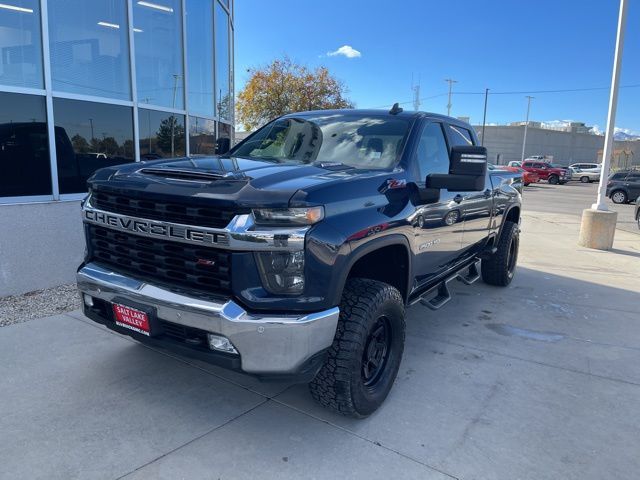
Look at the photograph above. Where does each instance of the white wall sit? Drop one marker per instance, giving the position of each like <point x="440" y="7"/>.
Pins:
<point x="41" y="245"/>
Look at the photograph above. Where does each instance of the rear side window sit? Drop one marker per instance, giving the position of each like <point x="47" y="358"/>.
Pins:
<point x="460" y="136"/>
<point x="538" y="165"/>
<point x="432" y="152"/>
<point x="527" y="164"/>
<point x="618" y="176"/>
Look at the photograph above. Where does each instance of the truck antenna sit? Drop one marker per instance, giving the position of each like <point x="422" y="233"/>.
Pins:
<point x="396" y="109"/>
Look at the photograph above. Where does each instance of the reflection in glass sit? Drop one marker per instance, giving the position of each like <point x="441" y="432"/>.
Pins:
<point x="223" y="91"/>
<point x="161" y="134"/>
<point x="90" y="136"/>
<point x="20" y="44"/>
<point x="200" y="56"/>
<point x="24" y="147"/>
<point x="158" y="45"/>
<point x="223" y="142"/>
<point x="89" y="47"/>
<point x="202" y="136"/>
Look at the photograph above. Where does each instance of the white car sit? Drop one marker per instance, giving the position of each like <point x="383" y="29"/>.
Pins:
<point x="587" y="167"/>
<point x="585" y="176"/>
<point x="515" y="163"/>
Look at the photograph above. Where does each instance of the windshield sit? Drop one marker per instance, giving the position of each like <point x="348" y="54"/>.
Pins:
<point x="359" y="141"/>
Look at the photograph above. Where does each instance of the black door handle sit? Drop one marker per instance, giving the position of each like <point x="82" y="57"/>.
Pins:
<point x="457" y="198"/>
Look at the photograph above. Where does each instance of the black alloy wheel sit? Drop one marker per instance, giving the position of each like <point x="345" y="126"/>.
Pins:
<point x="376" y="352"/>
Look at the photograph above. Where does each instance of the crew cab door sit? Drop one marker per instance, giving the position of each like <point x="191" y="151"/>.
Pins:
<point x="436" y="221"/>
<point x="475" y="207"/>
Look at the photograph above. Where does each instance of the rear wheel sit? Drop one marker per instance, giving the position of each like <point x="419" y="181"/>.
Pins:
<point x="554" y="179"/>
<point x="363" y="361"/>
<point x="500" y="267"/>
<point x="584" y="179"/>
<point x="619" y="196"/>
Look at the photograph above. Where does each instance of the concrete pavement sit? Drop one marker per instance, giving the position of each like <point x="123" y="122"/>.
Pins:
<point x="539" y="380"/>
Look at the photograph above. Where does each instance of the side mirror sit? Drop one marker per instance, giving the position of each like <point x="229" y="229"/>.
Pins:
<point x="467" y="171"/>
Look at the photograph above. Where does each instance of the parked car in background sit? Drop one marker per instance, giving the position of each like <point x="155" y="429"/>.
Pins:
<point x="527" y="177"/>
<point x="515" y="163"/>
<point x="587" y="167"/>
<point x="554" y="174"/>
<point x="584" y="176"/>
<point x="624" y="186"/>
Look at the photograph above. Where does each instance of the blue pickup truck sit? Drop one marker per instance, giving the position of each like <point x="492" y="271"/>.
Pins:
<point x="295" y="254"/>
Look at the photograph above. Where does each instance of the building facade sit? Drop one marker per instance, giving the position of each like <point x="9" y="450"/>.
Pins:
<point x="86" y="84"/>
<point x="504" y="144"/>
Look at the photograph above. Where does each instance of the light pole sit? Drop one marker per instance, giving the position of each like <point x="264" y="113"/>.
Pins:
<point x="484" y="116"/>
<point x="526" y="125"/>
<point x="598" y="225"/>
<point x="451" y="82"/>
<point x="611" y="117"/>
<point x="173" y="119"/>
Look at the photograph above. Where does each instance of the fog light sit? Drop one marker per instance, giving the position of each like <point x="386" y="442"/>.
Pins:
<point x="88" y="300"/>
<point x="218" y="342"/>
<point x="282" y="272"/>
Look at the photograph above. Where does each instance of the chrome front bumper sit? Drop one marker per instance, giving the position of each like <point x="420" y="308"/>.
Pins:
<point x="267" y="344"/>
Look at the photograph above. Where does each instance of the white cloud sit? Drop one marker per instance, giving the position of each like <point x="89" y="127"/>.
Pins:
<point x="347" y="51"/>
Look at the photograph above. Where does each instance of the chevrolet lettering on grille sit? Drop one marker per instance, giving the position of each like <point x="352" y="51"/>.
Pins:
<point x="151" y="228"/>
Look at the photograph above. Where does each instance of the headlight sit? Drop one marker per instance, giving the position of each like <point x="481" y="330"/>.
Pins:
<point x="282" y="272"/>
<point x="288" y="216"/>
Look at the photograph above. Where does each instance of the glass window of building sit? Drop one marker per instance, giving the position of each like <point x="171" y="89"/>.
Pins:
<point x="158" y="45"/>
<point x="24" y="146"/>
<point x="223" y="140"/>
<point x="202" y="136"/>
<point x="90" y="136"/>
<point x="89" y="47"/>
<point x="200" y="57"/>
<point x="20" y="44"/>
<point x="161" y="134"/>
<point x="223" y="90"/>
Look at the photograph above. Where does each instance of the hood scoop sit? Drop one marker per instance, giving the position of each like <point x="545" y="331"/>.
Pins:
<point x="185" y="174"/>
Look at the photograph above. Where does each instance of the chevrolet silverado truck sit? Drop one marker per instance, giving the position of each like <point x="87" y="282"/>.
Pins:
<point x="295" y="254"/>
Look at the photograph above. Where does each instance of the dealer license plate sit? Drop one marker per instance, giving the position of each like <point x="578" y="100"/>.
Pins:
<point x="131" y="318"/>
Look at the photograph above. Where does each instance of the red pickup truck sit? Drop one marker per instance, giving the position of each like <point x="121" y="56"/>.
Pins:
<point x="547" y="171"/>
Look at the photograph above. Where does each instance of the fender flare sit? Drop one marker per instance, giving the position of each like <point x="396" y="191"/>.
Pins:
<point x="372" y="246"/>
<point x="506" y="214"/>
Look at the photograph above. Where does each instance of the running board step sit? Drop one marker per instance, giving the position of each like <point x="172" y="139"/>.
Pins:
<point x="472" y="275"/>
<point x="443" y="295"/>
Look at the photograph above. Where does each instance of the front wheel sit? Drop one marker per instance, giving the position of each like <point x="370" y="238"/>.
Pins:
<point x="554" y="179"/>
<point x="500" y="267"/>
<point x="364" y="358"/>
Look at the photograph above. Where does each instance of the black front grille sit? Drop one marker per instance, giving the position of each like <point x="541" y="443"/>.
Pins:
<point x="201" y="216"/>
<point x="171" y="263"/>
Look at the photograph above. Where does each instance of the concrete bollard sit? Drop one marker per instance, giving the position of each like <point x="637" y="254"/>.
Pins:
<point x="597" y="229"/>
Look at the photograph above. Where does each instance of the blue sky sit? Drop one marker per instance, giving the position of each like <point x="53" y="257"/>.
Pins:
<point x="500" y="45"/>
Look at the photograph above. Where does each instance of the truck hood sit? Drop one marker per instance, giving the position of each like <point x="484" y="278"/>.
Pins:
<point x="220" y="180"/>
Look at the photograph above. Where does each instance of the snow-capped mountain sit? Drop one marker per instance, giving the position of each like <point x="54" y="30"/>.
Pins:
<point x="625" y="134"/>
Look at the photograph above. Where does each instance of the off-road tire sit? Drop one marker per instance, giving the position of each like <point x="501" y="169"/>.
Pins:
<point x="553" y="179"/>
<point x="340" y="384"/>
<point x="499" y="268"/>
